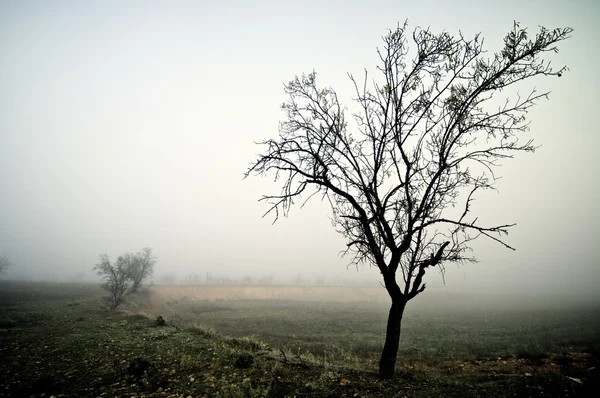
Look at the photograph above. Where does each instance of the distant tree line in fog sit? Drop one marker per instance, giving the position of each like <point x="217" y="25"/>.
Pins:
<point x="124" y="276"/>
<point x="266" y="280"/>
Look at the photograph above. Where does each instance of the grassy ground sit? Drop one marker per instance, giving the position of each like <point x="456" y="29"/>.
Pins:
<point x="359" y="328"/>
<point x="59" y="340"/>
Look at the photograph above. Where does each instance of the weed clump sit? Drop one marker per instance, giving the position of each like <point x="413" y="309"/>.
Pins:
<point x="204" y="332"/>
<point x="161" y="334"/>
<point x="242" y="360"/>
<point x="138" y="366"/>
<point x="146" y="376"/>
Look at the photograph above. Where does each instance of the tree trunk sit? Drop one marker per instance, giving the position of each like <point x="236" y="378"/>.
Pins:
<point x="387" y="364"/>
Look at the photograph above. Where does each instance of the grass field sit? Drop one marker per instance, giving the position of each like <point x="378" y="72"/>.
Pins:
<point x="59" y="340"/>
<point x="352" y="321"/>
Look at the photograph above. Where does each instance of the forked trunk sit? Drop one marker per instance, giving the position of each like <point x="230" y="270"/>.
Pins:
<point x="387" y="364"/>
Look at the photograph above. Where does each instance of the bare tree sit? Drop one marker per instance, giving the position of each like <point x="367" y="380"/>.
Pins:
<point x="428" y="135"/>
<point x="4" y="264"/>
<point x="125" y="276"/>
<point x="116" y="279"/>
<point x="141" y="266"/>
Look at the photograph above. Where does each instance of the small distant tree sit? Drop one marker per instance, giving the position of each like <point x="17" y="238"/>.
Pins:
<point x="4" y="264"/>
<point x="141" y="266"/>
<point x="126" y="275"/>
<point x="428" y="134"/>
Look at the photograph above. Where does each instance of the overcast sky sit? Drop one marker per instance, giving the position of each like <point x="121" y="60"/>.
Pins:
<point x="126" y="124"/>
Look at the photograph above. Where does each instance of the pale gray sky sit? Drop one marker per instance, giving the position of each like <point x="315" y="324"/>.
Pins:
<point x="126" y="124"/>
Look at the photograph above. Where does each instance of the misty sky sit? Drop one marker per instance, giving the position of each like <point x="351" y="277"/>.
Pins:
<point x="126" y="124"/>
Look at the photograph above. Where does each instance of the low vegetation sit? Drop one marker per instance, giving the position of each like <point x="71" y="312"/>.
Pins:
<point x="353" y="330"/>
<point x="61" y="340"/>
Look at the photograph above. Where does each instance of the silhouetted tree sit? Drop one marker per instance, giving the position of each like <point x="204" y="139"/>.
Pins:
<point x="4" y="264"/>
<point x="427" y="137"/>
<point x="125" y="276"/>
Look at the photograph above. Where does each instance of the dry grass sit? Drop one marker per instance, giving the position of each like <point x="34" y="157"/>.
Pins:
<point x="164" y="293"/>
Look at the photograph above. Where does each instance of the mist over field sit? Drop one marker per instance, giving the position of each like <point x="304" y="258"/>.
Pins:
<point x="130" y="125"/>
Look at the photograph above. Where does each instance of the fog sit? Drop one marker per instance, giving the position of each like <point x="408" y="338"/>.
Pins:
<point x="130" y="124"/>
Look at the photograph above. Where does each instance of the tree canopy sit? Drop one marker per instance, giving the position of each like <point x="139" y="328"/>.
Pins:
<point x="427" y="138"/>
